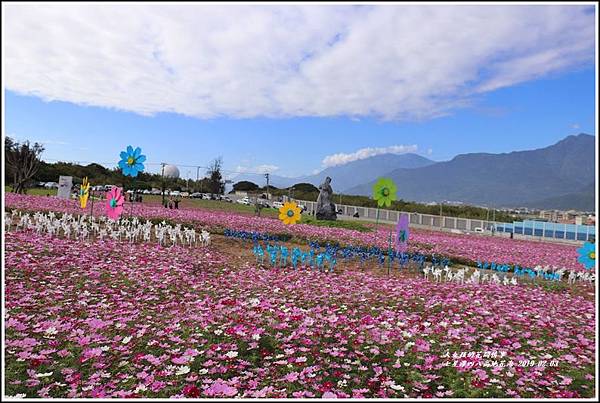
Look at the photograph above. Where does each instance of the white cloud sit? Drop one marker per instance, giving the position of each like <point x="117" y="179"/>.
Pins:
<point x="258" y="169"/>
<point x="35" y="140"/>
<point x="342" y="158"/>
<point x="429" y="151"/>
<point x="387" y="61"/>
<point x="575" y="126"/>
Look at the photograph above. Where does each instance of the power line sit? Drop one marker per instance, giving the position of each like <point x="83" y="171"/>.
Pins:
<point x="157" y="164"/>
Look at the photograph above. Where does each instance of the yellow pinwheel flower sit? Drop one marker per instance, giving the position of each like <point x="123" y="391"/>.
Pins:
<point x="289" y="213"/>
<point x="84" y="192"/>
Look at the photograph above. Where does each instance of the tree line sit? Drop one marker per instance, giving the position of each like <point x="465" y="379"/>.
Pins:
<point x="24" y="169"/>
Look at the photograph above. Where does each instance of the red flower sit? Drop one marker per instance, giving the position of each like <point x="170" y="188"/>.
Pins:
<point x="191" y="391"/>
<point x="36" y="362"/>
<point x="228" y="302"/>
<point x="327" y="386"/>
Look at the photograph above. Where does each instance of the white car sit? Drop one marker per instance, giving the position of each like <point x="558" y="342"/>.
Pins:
<point x="51" y="185"/>
<point x="244" y="200"/>
<point x="277" y="205"/>
<point x="185" y="194"/>
<point x="205" y="196"/>
<point x="175" y="193"/>
<point x="146" y="191"/>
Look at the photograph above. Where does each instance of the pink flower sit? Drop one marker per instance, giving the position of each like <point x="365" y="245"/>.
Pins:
<point x="114" y="203"/>
<point x="329" y="395"/>
<point x="421" y="345"/>
<point x="220" y="388"/>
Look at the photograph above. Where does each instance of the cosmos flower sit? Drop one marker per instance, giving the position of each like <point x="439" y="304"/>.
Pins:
<point x="587" y="255"/>
<point x="84" y="192"/>
<point x="289" y="213"/>
<point x="114" y="203"/>
<point x="384" y="192"/>
<point x="131" y="161"/>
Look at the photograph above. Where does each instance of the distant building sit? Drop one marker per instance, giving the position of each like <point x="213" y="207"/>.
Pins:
<point x="564" y="217"/>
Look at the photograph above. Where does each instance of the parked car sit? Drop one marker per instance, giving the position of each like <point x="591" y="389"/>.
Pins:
<point x="244" y="200"/>
<point x="185" y="194"/>
<point x="205" y="196"/>
<point x="196" y="195"/>
<point x="277" y="205"/>
<point x="156" y="192"/>
<point x="175" y="193"/>
<point x="51" y="185"/>
<point x="227" y="199"/>
<point x="478" y="229"/>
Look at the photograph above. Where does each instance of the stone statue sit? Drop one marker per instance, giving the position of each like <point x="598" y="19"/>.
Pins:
<point x="325" y="208"/>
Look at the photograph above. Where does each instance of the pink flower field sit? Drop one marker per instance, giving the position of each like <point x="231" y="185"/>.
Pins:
<point x="109" y="319"/>
<point x="468" y="248"/>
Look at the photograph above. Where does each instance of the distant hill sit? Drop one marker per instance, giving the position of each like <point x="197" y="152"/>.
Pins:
<point x="347" y="175"/>
<point x="556" y="175"/>
<point x="583" y="200"/>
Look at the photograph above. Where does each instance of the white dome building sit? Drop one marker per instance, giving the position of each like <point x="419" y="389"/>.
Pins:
<point x="171" y="171"/>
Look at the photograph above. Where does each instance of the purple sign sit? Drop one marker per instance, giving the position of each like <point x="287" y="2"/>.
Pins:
<point x="402" y="234"/>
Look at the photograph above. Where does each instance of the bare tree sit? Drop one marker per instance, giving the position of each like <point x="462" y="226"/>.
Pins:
<point x="22" y="161"/>
<point x="216" y="184"/>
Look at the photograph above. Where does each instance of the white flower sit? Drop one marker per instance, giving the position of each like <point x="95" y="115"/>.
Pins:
<point x="126" y="339"/>
<point x="17" y="396"/>
<point x="203" y="371"/>
<point x="231" y="354"/>
<point x="51" y="330"/>
<point x="218" y="332"/>
<point x="44" y="375"/>
<point x="256" y="337"/>
<point x="182" y="370"/>
<point x="254" y="302"/>
<point x="105" y="348"/>
<point x="397" y="387"/>
<point x="140" y="388"/>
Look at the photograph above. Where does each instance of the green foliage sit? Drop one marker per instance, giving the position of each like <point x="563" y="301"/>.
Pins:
<point x="354" y="225"/>
<point x="305" y="187"/>
<point x="245" y="186"/>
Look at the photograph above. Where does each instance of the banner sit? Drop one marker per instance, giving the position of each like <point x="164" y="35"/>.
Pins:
<point x="65" y="184"/>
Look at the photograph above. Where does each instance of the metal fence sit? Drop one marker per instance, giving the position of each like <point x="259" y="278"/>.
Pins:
<point x="537" y="229"/>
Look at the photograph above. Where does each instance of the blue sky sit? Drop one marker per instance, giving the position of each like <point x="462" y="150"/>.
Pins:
<point x="321" y="112"/>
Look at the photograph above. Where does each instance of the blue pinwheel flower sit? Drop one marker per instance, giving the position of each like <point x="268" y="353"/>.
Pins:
<point x="131" y="161"/>
<point x="587" y="255"/>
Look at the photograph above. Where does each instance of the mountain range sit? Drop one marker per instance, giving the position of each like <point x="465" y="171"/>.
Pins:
<point x="348" y="175"/>
<point x="559" y="176"/>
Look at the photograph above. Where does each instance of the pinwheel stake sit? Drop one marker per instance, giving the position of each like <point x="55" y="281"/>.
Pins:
<point x="92" y="204"/>
<point x="390" y="253"/>
<point x="131" y="163"/>
<point x="384" y="192"/>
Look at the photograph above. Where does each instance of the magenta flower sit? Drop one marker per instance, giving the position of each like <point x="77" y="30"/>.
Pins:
<point x="114" y="203"/>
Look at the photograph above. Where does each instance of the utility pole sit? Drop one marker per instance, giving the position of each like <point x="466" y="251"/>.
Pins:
<point x="162" y="174"/>
<point x="267" y="176"/>
<point x="441" y="217"/>
<point x="198" y="176"/>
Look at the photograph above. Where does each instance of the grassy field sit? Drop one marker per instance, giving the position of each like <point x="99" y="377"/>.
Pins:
<point x="222" y="206"/>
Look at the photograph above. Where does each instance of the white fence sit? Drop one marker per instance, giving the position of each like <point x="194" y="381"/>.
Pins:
<point x="436" y="222"/>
